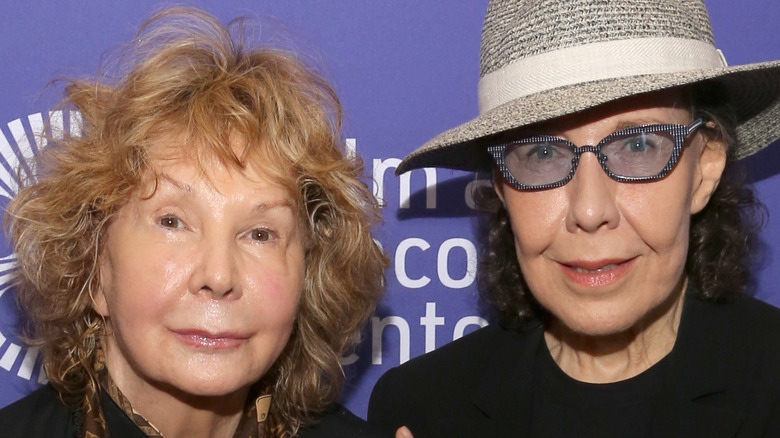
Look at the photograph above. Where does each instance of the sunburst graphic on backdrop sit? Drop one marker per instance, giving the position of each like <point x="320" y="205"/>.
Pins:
<point x="25" y="141"/>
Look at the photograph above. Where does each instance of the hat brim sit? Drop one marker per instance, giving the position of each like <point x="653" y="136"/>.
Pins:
<point x="752" y="89"/>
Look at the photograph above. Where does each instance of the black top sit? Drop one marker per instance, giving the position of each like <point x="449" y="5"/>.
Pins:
<point x="42" y="415"/>
<point x="723" y="380"/>
<point x="563" y="406"/>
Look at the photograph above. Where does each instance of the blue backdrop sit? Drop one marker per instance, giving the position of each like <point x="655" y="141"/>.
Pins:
<point x="405" y="70"/>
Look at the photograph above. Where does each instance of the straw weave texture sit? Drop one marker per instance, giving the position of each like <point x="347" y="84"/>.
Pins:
<point x="515" y="29"/>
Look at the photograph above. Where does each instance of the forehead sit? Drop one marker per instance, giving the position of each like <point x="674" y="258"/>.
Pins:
<point x="175" y="157"/>
<point x="666" y="106"/>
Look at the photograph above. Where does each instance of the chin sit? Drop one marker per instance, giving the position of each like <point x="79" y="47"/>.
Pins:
<point x="600" y="329"/>
<point x="211" y="387"/>
<point x="598" y="324"/>
<point x="609" y="317"/>
<point x="210" y="383"/>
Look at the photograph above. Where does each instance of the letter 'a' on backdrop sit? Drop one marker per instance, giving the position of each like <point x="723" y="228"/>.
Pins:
<point x="405" y="71"/>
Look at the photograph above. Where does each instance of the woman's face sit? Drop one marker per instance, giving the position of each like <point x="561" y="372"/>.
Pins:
<point x="200" y="281"/>
<point x="601" y="255"/>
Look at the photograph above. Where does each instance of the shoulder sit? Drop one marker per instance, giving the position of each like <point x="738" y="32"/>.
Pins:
<point x="743" y="316"/>
<point x="734" y="348"/>
<point x="338" y="422"/>
<point x="441" y="386"/>
<point x="743" y="332"/>
<point x="464" y="355"/>
<point x="40" y="414"/>
<point x="762" y="315"/>
<point x="754" y="327"/>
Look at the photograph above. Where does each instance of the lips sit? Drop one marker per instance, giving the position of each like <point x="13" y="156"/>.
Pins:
<point x="596" y="273"/>
<point x="590" y="271"/>
<point x="208" y="340"/>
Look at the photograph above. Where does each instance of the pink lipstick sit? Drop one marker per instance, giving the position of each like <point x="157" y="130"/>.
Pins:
<point x="596" y="273"/>
<point x="207" y="340"/>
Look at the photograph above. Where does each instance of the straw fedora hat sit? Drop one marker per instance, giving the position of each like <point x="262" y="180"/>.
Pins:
<point x="543" y="59"/>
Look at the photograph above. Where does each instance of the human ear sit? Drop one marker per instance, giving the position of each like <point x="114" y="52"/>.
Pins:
<point x="98" y="296"/>
<point x="498" y="186"/>
<point x="712" y="161"/>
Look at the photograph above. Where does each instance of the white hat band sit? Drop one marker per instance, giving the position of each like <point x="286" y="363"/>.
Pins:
<point x="591" y="62"/>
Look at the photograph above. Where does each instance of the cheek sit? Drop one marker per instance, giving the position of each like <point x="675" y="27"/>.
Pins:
<point x="277" y="295"/>
<point x="659" y="213"/>
<point x="537" y="216"/>
<point x="275" y="290"/>
<point x="139" y="285"/>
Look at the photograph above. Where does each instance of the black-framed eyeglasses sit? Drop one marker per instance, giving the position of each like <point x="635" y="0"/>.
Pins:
<point x="635" y="154"/>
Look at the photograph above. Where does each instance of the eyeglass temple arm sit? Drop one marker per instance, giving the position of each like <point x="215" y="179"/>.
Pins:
<point x="693" y="126"/>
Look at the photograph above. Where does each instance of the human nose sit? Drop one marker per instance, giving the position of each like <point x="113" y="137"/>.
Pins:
<point x="215" y="273"/>
<point x="591" y="197"/>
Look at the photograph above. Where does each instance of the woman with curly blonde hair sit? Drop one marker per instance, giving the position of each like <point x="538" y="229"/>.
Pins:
<point x="197" y="259"/>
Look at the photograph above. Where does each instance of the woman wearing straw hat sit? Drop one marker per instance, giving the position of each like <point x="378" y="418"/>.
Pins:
<point x="618" y="239"/>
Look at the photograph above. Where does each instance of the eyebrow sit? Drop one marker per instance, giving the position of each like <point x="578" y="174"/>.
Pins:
<point x="641" y="122"/>
<point x="260" y="207"/>
<point x="180" y="185"/>
<point x="265" y="206"/>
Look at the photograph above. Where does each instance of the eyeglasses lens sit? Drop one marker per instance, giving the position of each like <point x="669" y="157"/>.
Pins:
<point x="638" y="155"/>
<point x="541" y="162"/>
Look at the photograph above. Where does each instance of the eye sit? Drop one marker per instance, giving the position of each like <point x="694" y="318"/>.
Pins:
<point x="639" y="143"/>
<point x="260" y="235"/>
<point x="542" y="151"/>
<point x="171" y="222"/>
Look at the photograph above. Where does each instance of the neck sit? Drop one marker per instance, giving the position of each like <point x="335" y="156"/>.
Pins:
<point x="618" y="356"/>
<point x="178" y="415"/>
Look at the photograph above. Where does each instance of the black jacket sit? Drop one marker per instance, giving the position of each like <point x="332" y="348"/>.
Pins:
<point x="42" y="415"/>
<point x="725" y="380"/>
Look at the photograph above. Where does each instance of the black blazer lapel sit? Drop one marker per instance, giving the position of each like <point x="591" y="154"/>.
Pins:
<point x="700" y="375"/>
<point x="503" y="393"/>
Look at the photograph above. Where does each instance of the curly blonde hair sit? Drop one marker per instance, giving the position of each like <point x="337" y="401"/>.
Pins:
<point x="187" y="72"/>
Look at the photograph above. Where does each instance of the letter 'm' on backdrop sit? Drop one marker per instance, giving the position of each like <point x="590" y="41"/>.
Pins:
<point x="405" y="70"/>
